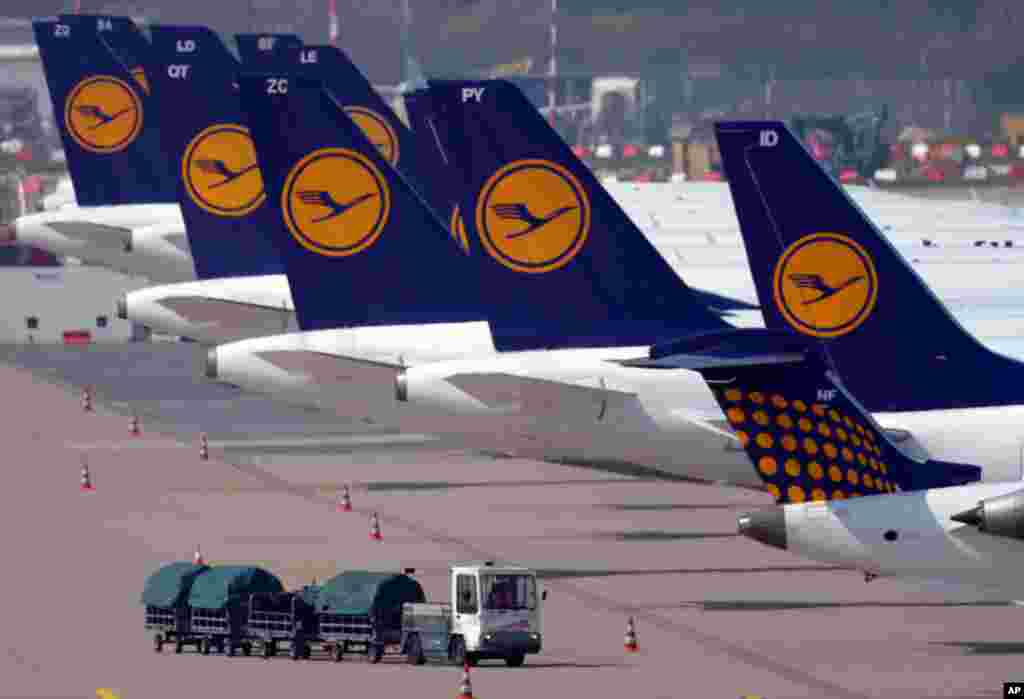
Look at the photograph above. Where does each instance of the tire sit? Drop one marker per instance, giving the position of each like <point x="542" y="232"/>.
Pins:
<point x="179" y="646"/>
<point x="472" y="659"/>
<point x="246" y="649"/>
<point x="273" y="648"/>
<point x="414" y="651"/>
<point x="296" y="650"/>
<point x="204" y="646"/>
<point x="515" y="660"/>
<point x="338" y="652"/>
<point x="458" y="653"/>
<point x="267" y="652"/>
<point x="158" y="643"/>
<point x="229" y="649"/>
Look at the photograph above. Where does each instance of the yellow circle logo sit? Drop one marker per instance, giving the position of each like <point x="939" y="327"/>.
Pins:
<point x="533" y="216"/>
<point x="335" y="202"/>
<point x="377" y="131"/>
<point x="220" y="172"/>
<point x="103" y="114"/>
<point x="825" y="285"/>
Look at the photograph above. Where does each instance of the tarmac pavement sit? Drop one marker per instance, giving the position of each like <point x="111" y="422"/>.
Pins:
<point x="717" y="615"/>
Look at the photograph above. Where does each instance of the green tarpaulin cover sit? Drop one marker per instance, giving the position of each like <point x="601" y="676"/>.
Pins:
<point x="170" y="585"/>
<point x="214" y="588"/>
<point x="362" y="592"/>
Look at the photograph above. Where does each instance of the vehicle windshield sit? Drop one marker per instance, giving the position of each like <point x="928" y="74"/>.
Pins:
<point x="508" y="592"/>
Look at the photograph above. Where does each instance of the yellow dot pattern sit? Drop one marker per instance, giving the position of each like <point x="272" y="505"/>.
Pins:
<point x="792" y="468"/>
<point x="805" y="449"/>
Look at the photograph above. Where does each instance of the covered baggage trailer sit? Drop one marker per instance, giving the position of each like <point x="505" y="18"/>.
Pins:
<point x="219" y="606"/>
<point x="283" y="618"/>
<point x="165" y="596"/>
<point x="361" y="611"/>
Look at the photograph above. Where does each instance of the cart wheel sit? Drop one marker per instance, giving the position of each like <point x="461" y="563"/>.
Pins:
<point x="296" y="650"/>
<point x="515" y="660"/>
<point x="179" y="646"/>
<point x="307" y="651"/>
<point x="246" y="649"/>
<point x="266" y="650"/>
<point x="338" y="652"/>
<point x="204" y="646"/>
<point x="158" y="643"/>
<point x="414" y="653"/>
<point x="273" y="648"/>
<point x="229" y="649"/>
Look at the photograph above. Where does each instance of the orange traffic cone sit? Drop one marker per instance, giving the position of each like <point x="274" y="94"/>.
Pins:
<point x="134" y="427"/>
<point x="631" y="643"/>
<point x="345" y="501"/>
<point x="465" y="687"/>
<point x="197" y="557"/>
<point x="204" y="447"/>
<point x="86" y="478"/>
<point x="375" y="528"/>
<point x="87" y="399"/>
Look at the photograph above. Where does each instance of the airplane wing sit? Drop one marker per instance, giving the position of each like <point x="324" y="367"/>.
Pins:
<point x="590" y="398"/>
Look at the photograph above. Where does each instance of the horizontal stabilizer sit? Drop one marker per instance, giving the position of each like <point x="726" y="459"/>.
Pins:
<point x="327" y="368"/>
<point x="538" y="396"/>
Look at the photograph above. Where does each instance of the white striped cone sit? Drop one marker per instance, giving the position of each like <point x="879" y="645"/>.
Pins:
<point x="632" y="645"/>
<point x="345" y="501"/>
<point x="87" y="399"/>
<point x="134" y="426"/>
<point x="375" y="528"/>
<point x="465" y="687"/>
<point x="86" y="478"/>
<point x="197" y="557"/>
<point x="204" y="447"/>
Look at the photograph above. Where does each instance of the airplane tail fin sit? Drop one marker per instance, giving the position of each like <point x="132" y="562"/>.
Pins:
<point x="359" y="245"/>
<point x="418" y="162"/>
<point x="123" y="38"/>
<point x="806" y="435"/>
<point x="548" y="235"/>
<point x="110" y="135"/>
<point x="824" y="270"/>
<point x="221" y="187"/>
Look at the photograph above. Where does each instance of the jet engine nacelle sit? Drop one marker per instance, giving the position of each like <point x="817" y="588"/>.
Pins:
<point x="1000" y="516"/>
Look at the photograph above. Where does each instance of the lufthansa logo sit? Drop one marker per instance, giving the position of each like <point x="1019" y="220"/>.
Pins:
<point x="377" y="131"/>
<point x="825" y="285"/>
<point x="103" y="114"/>
<point x="533" y="216"/>
<point x="335" y="202"/>
<point x="220" y="172"/>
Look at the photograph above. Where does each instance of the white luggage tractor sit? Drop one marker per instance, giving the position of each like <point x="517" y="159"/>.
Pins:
<point x="495" y="614"/>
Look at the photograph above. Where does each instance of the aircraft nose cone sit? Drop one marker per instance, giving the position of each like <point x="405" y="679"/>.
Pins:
<point x="767" y="526"/>
<point x="401" y="388"/>
<point x="122" y="308"/>
<point x="211" y="364"/>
